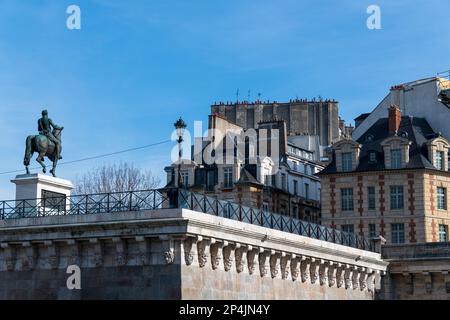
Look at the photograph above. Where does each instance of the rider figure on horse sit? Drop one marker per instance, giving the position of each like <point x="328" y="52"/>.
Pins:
<point x="45" y="125"/>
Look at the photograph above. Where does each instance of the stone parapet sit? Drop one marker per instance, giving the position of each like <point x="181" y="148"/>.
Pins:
<point x="203" y="255"/>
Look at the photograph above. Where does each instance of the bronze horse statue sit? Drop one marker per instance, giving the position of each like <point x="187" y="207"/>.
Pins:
<point x="46" y="148"/>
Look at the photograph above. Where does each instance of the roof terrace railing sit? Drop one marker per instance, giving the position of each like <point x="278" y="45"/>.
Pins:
<point x="174" y="198"/>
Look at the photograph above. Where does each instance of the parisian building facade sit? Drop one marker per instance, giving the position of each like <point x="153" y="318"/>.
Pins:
<point x="285" y="183"/>
<point x="392" y="182"/>
<point x="303" y="117"/>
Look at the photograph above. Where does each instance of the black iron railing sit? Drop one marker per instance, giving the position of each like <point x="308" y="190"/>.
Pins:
<point x="84" y="204"/>
<point x="230" y="210"/>
<point x="174" y="198"/>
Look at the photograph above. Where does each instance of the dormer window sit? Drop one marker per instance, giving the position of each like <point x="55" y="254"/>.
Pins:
<point x="396" y="159"/>
<point x="438" y="151"/>
<point x="372" y="157"/>
<point x="439" y="160"/>
<point x="347" y="161"/>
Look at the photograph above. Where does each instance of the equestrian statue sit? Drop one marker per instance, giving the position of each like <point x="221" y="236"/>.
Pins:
<point x="47" y="144"/>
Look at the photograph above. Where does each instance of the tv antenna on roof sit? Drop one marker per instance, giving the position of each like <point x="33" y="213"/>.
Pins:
<point x="237" y="95"/>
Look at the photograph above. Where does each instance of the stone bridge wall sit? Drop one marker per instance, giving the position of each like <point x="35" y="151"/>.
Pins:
<point x="176" y="254"/>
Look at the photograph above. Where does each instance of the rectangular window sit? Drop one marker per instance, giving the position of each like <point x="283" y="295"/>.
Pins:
<point x="372" y="157"/>
<point x="442" y="198"/>
<point x="398" y="233"/>
<point x="295" y="187"/>
<point x="371" y="198"/>
<point x="396" y="197"/>
<point x="443" y="233"/>
<point x="448" y="160"/>
<point x="306" y="191"/>
<point x="347" y="161"/>
<point x="349" y="228"/>
<point x="347" y="199"/>
<point x="396" y="159"/>
<point x="372" y="230"/>
<point x="185" y="179"/>
<point x="439" y="160"/>
<point x="228" y="177"/>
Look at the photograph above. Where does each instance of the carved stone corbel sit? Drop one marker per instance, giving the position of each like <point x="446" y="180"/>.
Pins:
<point x="202" y="247"/>
<point x="348" y="276"/>
<point x="10" y="256"/>
<point x="332" y="271"/>
<point x="52" y="254"/>
<point x="28" y="259"/>
<point x="263" y="262"/>
<point x="142" y="257"/>
<point x="121" y="251"/>
<point x="97" y="252"/>
<point x="216" y="254"/>
<point x="323" y="272"/>
<point x="371" y="280"/>
<point x="314" y="268"/>
<point x="285" y="265"/>
<point x="169" y="249"/>
<point x="340" y="279"/>
<point x="251" y="258"/>
<point x="428" y="282"/>
<point x="363" y="279"/>
<point x="355" y="278"/>
<point x="188" y="250"/>
<point x="74" y="255"/>
<point x="227" y="257"/>
<point x="239" y="257"/>
<point x="274" y="264"/>
<point x="305" y="268"/>
<point x="295" y="267"/>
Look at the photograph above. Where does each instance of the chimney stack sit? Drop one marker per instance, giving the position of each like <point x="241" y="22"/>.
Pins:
<point x="395" y="116"/>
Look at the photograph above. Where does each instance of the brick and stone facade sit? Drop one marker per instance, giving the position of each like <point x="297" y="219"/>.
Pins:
<point x="394" y="182"/>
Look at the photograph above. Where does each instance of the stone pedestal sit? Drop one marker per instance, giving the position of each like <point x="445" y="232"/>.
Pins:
<point x="38" y="193"/>
<point x="37" y="186"/>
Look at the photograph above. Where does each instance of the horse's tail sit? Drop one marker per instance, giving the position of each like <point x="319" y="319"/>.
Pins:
<point x="28" y="150"/>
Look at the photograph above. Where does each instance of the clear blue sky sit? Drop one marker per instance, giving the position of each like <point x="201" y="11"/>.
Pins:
<point x="135" y="66"/>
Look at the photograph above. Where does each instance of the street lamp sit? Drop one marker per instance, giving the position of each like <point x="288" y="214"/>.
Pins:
<point x="180" y="125"/>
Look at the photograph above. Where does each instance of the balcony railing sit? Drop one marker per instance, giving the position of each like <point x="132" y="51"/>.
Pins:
<point x="175" y="198"/>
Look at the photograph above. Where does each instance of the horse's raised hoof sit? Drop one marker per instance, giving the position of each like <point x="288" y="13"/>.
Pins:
<point x="44" y="170"/>
<point x="53" y="173"/>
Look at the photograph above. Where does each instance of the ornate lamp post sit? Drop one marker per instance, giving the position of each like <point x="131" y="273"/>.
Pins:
<point x="180" y="125"/>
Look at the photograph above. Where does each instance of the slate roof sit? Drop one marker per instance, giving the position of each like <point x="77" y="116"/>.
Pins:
<point x="416" y="130"/>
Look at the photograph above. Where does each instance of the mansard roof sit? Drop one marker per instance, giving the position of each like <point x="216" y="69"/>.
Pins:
<point x="415" y="130"/>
